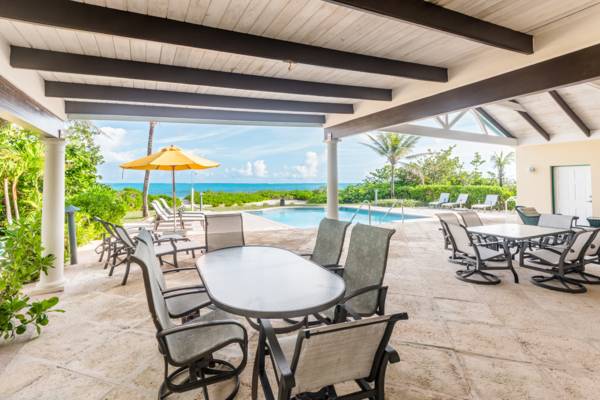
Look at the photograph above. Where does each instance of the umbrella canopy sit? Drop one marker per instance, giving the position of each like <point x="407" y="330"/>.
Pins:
<point x="172" y="159"/>
<point x="169" y="159"/>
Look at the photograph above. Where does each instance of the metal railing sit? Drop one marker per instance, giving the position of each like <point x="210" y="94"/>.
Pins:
<point x="368" y="203"/>
<point x="389" y="210"/>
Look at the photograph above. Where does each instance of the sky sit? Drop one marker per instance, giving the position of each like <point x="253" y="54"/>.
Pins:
<point x="257" y="154"/>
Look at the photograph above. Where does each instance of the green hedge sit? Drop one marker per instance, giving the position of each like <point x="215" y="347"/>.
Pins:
<point x="228" y="199"/>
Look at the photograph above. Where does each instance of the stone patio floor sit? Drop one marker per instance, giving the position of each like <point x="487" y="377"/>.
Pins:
<point x="462" y="341"/>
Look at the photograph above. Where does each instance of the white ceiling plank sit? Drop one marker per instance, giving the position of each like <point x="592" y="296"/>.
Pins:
<point x="196" y="11"/>
<point x="175" y="9"/>
<point x="106" y="44"/>
<point x="122" y="48"/>
<point x="215" y="12"/>
<point x="137" y="6"/>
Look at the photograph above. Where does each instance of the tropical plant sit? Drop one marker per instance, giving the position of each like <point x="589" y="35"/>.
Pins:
<point x="501" y="161"/>
<point x="437" y="167"/>
<point x="82" y="157"/>
<point x="151" y="126"/>
<point x="393" y="147"/>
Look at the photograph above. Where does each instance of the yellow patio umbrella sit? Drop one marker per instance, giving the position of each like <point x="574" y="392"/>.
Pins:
<point x="172" y="159"/>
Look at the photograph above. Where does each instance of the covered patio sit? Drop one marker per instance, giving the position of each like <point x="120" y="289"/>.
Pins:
<point x="527" y="72"/>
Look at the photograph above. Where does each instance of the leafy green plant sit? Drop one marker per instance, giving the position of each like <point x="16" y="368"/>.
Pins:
<point x="23" y="261"/>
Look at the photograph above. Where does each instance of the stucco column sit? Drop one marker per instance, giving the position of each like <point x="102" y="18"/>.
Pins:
<point x="332" y="178"/>
<point x="53" y="215"/>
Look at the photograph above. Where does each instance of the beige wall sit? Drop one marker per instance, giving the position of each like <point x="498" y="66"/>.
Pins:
<point x="535" y="188"/>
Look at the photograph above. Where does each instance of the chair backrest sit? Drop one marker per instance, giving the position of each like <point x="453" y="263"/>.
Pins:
<point x="330" y="241"/>
<point x="529" y="215"/>
<point x="470" y="218"/>
<point x="146" y="237"/>
<point x="462" y="198"/>
<point x="166" y="207"/>
<point x="107" y="227"/>
<point x="448" y="217"/>
<point x="366" y="264"/>
<point x="593" y="248"/>
<point x="123" y="236"/>
<point x="556" y="221"/>
<point x="144" y="256"/>
<point x="224" y="230"/>
<point x="444" y="197"/>
<point x="491" y="200"/>
<point x="342" y="352"/>
<point x="459" y="238"/>
<point x="578" y="245"/>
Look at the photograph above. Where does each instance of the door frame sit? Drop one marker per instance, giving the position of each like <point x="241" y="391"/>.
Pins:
<point x="553" y="183"/>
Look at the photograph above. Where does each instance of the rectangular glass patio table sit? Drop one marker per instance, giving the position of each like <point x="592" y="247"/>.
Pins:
<point x="515" y="233"/>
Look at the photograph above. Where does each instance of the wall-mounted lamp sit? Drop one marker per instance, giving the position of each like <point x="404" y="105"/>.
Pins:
<point x="532" y="169"/>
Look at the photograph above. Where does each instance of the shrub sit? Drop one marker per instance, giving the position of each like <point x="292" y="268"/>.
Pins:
<point x="101" y="201"/>
<point x="131" y="197"/>
<point x="23" y="262"/>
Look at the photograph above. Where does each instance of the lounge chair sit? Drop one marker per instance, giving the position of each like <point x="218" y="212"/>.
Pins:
<point x="317" y="359"/>
<point x="559" y="262"/>
<point x="491" y="200"/>
<point x="224" y="230"/>
<point x="165" y="215"/>
<point x="475" y="255"/>
<point x="169" y="209"/>
<point x="460" y="202"/>
<point x="329" y="242"/>
<point x="529" y="215"/>
<point x="363" y="272"/>
<point x="444" y="198"/>
<point x="191" y="347"/>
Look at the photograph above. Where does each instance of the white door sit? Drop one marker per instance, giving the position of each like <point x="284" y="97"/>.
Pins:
<point x="573" y="191"/>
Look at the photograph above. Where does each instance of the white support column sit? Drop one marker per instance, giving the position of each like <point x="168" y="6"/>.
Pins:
<point x="53" y="215"/>
<point x="332" y="178"/>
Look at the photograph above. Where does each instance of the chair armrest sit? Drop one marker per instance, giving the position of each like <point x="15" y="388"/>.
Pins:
<point x="305" y="254"/>
<point x="188" y="289"/>
<point x="198" y="325"/>
<point x="277" y="355"/>
<point x="360" y="291"/>
<point x="392" y="355"/>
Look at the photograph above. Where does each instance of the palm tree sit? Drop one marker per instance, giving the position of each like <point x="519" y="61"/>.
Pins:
<point x="394" y="147"/>
<point x="501" y="161"/>
<point x="151" y="126"/>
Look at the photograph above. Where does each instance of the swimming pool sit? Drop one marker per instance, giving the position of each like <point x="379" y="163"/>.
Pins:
<point x="309" y="217"/>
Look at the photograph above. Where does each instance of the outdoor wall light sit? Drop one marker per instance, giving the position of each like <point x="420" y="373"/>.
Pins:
<point x="532" y="169"/>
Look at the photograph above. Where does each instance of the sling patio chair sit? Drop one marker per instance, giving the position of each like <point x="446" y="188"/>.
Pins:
<point x="189" y="349"/>
<point x="476" y="255"/>
<point x="491" y="200"/>
<point x="460" y="202"/>
<point x="559" y="262"/>
<point x="309" y="364"/>
<point x="471" y="218"/>
<point x="444" y="198"/>
<point x="558" y="221"/>
<point x="329" y="243"/>
<point x="591" y="256"/>
<point x="162" y="248"/>
<point x="529" y="215"/>
<point x="165" y="215"/>
<point x="182" y="301"/>
<point x="224" y="230"/>
<point x="449" y="218"/>
<point x="363" y="273"/>
<point x="168" y="208"/>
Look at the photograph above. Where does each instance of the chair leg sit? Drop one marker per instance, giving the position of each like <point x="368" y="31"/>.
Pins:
<point x="108" y="255"/>
<point x="558" y="283"/>
<point x="124" y="282"/>
<point x="583" y="277"/>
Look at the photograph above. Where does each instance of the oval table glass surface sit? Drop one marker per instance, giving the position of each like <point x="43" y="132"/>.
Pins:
<point x="268" y="282"/>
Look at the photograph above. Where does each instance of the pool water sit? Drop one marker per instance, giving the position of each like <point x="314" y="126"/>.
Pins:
<point x="309" y="217"/>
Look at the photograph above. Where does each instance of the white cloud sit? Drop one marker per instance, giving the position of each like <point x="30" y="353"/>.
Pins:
<point x="310" y="168"/>
<point x="110" y="142"/>
<point x="256" y="168"/>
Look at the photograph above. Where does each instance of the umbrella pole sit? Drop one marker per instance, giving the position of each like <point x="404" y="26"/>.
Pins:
<point x="174" y="202"/>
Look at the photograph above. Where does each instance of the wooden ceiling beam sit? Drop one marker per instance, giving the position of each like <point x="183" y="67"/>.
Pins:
<point x="113" y="93"/>
<point x="44" y="60"/>
<point x="432" y="16"/>
<point x="531" y="121"/>
<point x="92" y="110"/>
<point x="488" y="117"/>
<point x="570" y="113"/>
<point x="568" y="69"/>
<point x="86" y="17"/>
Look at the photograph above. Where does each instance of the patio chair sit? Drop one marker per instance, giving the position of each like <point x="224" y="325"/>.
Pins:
<point x="591" y="256"/>
<point x="162" y="247"/>
<point x="529" y="215"/>
<point x="460" y="202"/>
<point x="166" y="215"/>
<point x="329" y="242"/>
<point x="110" y="243"/>
<point x="223" y="231"/>
<point x="491" y="200"/>
<point x="169" y="209"/>
<point x="557" y="221"/>
<point x="309" y="365"/>
<point x="444" y="198"/>
<point x="470" y="219"/>
<point x="558" y="262"/>
<point x="475" y="255"/>
<point x="189" y="349"/>
<point x="449" y="218"/>
<point x="363" y="272"/>
<point x="182" y="301"/>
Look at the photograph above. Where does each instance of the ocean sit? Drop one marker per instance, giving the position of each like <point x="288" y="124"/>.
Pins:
<point x="184" y="189"/>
